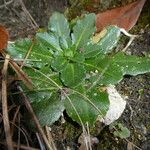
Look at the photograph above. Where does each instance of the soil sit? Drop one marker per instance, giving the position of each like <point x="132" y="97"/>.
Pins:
<point x="136" y="89"/>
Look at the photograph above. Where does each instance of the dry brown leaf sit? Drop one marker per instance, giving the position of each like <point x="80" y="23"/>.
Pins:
<point x="4" y="36"/>
<point x="124" y="17"/>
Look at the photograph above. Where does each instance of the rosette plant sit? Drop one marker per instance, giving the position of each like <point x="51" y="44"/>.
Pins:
<point x="69" y="63"/>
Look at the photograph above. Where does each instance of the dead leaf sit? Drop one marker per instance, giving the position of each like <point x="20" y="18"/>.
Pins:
<point x="117" y="106"/>
<point x="4" y="36"/>
<point x="124" y="17"/>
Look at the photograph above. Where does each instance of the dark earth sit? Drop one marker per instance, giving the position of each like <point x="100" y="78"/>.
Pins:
<point x="136" y="117"/>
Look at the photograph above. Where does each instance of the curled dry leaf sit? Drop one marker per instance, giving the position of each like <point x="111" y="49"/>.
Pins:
<point x="4" y="36"/>
<point x="124" y="17"/>
<point x="117" y="106"/>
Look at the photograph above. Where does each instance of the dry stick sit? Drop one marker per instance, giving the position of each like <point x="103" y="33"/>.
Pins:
<point x="133" y="144"/>
<point x="18" y="143"/>
<point x="41" y="143"/>
<point x="36" y="121"/>
<point x="27" y="55"/>
<point x="50" y="138"/>
<point x="21" y="146"/>
<point x="89" y="137"/>
<point x="14" y="119"/>
<point x="5" y="4"/>
<point x="21" y="74"/>
<point x="34" y="24"/>
<point x="22" y="131"/>
<point x="4" y="105"/>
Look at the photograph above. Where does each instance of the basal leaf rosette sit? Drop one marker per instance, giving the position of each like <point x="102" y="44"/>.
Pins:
<point x="68" y="64"/>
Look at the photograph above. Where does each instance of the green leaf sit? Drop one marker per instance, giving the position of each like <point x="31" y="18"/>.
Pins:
<point x="49" y="40"/>
<point x="78" y="57"/>
<point x="49" y="108"/>
<point x="109" y="73"/>
<point x="104" y="71"/>
<point x="91" y="50"/>
<point x="44" y="78"/>
<point x="83" y="30"/>
<point x="132" y="65"/>
<point x="120" y="130"/>
<point x="68" y="52"/>
<point x="59" y="63"/>
<point x="110" y="39"/>
<point x="80" y="88"/>
<point x="111" y="69"/>
<point x="38" y="55"/>
<point x="89" y="107"/>
<point x="63" y="43"/>
<point x="73" y="74"/>
<point x="59" y="25"/>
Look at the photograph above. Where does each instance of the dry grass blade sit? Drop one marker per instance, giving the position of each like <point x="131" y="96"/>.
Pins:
<point x="21" y="146"/>
<point x="33" y="22"/>
<point x="14" y="119"/>
<point x="36" y="121"/>
<point x="41" y="142"/>
<point x="27" y="55"/>
<point x="6" y="3"/>
<point x="50" y="138"/>
<point x="22" y="75"/>
<point x="4" y="105"/>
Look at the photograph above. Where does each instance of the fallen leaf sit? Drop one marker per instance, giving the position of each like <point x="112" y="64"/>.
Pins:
<point x="4" y="36"/>
<point x="124" y="17"/>
<point x="117" y="106"/>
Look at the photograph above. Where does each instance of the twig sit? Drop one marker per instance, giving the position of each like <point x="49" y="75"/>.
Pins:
<point x="27" y="55"/>
<point x="21" y="74"/>
<point x="5" y="4"/>
<point x="131" y="115"/>
<point x="22" y="131"/>
<point x="89" y="136"/>
<point x="21" y="146"/>
<point x="36" y="121"/>
<point x="14" y="119"/>
<point x="4" y="105"/>
<point x="50" y="138"/>
<point x="41" y="143"/>
<point x="34" y="24"/>
<point x="18" y="143"/>
<point x="133" y="144"/>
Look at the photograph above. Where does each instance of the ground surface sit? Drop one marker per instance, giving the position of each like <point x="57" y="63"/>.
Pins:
<point x="136" y="89"/>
